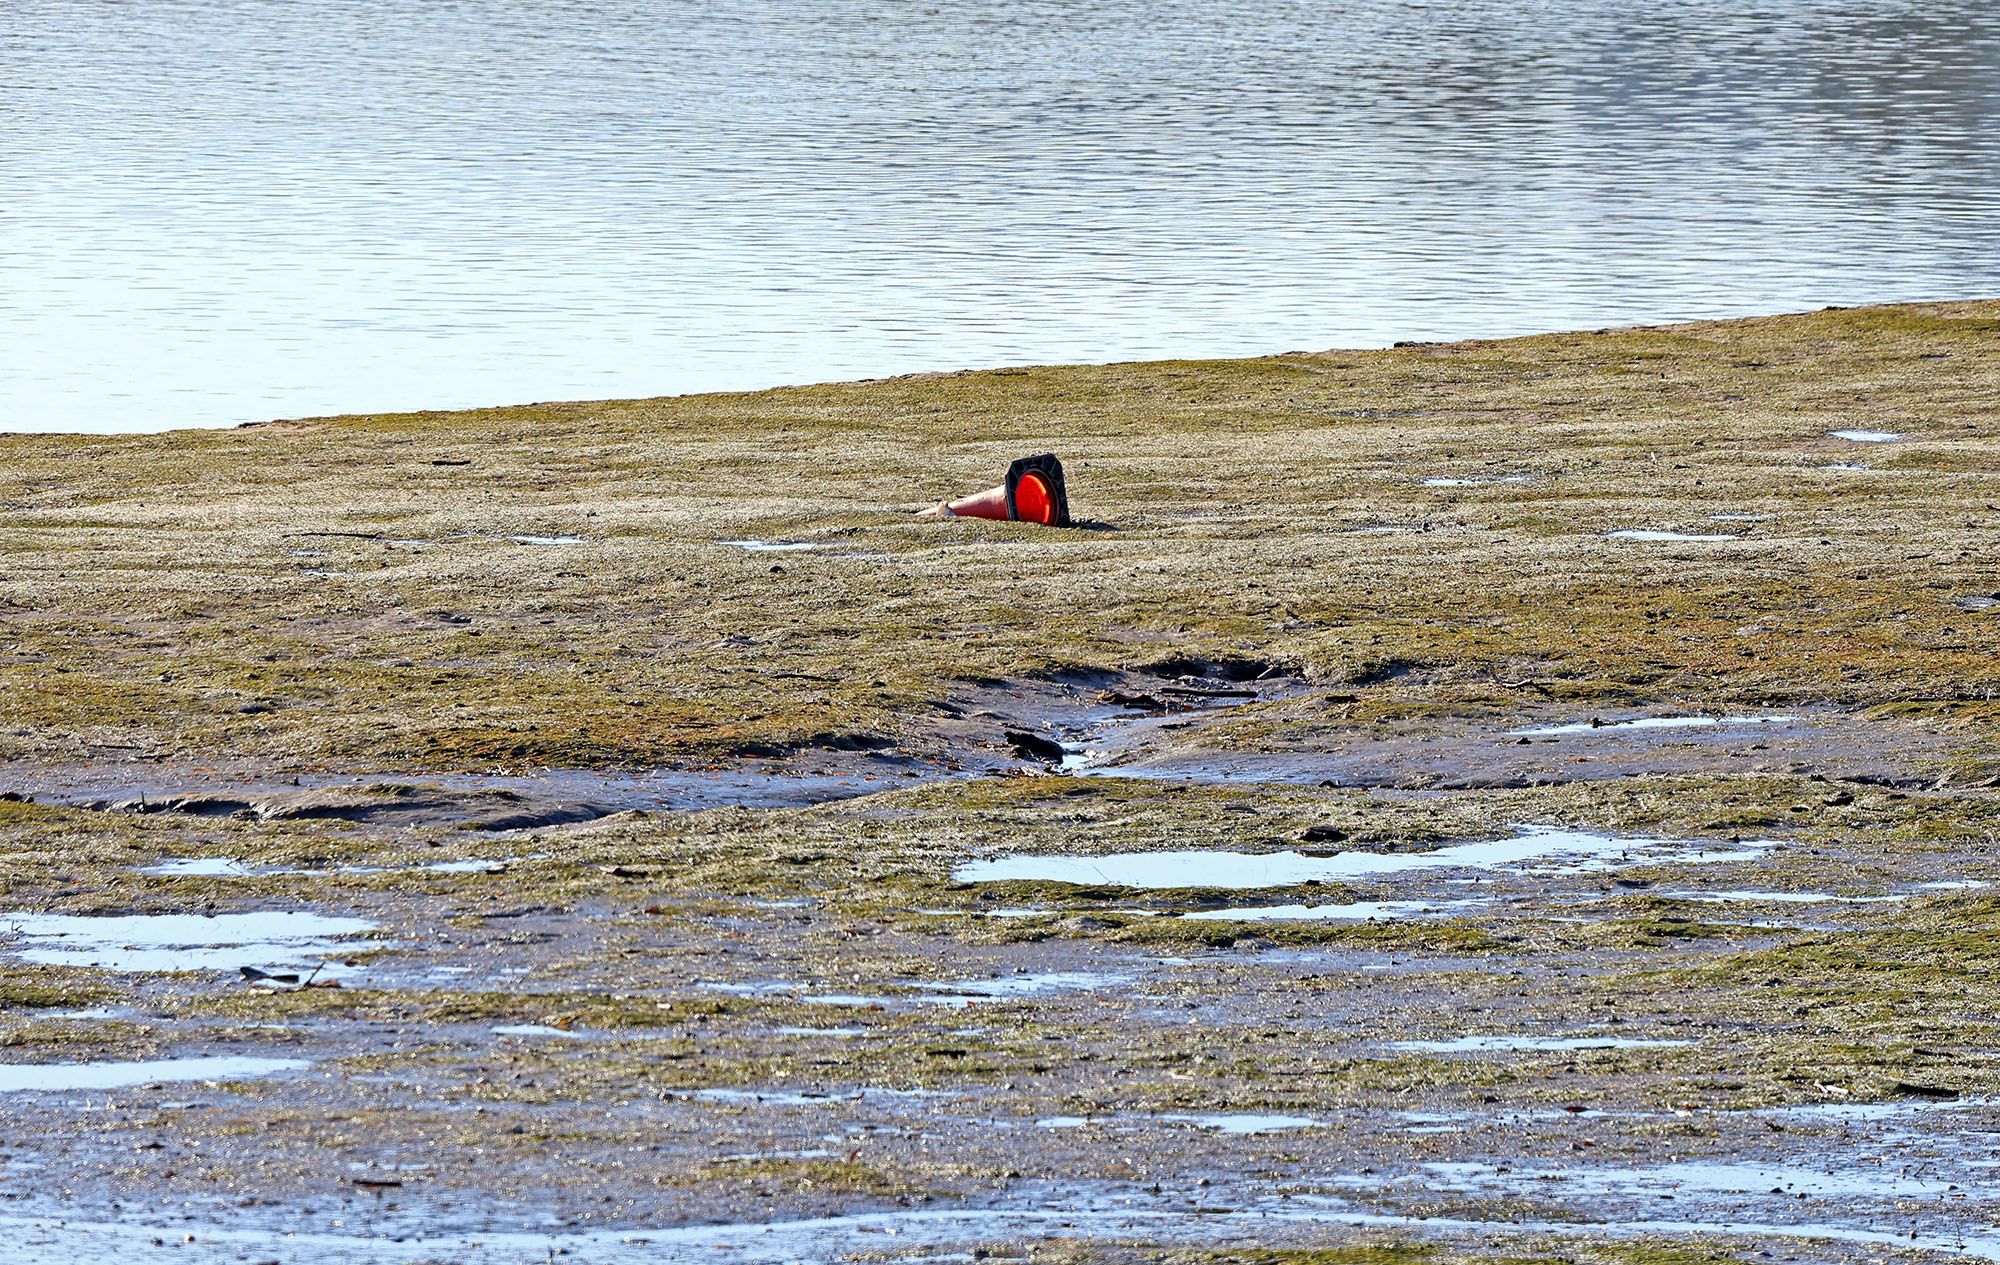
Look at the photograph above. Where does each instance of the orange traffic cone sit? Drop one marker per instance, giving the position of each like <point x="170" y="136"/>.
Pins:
<point x="1033" y="493"/>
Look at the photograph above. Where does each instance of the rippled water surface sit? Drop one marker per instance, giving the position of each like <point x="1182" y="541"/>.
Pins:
<point x="226" y="210"/>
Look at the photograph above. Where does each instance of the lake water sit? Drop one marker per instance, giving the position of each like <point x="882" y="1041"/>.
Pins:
<point x="217" y="211"/>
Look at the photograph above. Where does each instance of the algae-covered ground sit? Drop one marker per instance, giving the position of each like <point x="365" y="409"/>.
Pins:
<point x="623" y="831"/>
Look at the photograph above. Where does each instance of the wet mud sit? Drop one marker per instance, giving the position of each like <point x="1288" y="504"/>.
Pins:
<point x="472" y="801"/>
<point x="656" y="1041"/>
<point x="983" y="727"/>
<point x="682" y="1040"/>
<point x="1169" y="722"/>
<point x="1529" y="748"/>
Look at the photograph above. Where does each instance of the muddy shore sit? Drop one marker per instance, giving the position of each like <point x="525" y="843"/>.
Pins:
<point x="1525" y="800"/>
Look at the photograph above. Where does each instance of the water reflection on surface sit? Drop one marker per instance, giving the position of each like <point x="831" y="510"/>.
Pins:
<point x="229" y="210"/>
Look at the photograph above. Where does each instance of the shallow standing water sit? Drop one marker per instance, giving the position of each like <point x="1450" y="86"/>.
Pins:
<point x="231" y="210"/>
<point x="1536" y="847"/>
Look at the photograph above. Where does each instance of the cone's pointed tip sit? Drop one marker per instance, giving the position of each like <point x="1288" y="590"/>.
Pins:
<point x="992" y="503"/>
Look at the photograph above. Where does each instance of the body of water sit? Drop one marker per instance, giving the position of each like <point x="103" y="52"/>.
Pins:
<point x="218" y="211"/>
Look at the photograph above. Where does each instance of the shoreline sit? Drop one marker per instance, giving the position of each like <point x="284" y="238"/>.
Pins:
<point x="328" y="418"/>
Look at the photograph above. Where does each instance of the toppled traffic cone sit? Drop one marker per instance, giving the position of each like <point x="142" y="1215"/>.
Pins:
<point x="1033" y="493"/>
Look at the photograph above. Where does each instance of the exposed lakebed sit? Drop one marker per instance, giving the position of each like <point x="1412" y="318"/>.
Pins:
<point x="857" y="1056"/>
<point x="777" y="1062"/>
<point x="653" y="836"/>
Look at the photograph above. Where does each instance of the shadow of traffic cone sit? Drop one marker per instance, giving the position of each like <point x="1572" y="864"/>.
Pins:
<point x="1033" y="493"/>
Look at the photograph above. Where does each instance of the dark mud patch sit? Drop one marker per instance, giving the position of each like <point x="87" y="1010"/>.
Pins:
<point x="1469" y="754"/>
<point x="1177" y="720"/>
<point x="985" y="726"/>
<point x="1058" y="718"/>
<point x="1220" y="670"/>
<point x="471" y="801"/>
<point x="397" y="804"/>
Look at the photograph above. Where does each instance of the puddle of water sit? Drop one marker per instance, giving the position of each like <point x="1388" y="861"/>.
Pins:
<point x="181" y="942"/>
<point x="797" y="1098"/>
<point x="24" y="1078"/>
<point x="840" y="1034"/>
<point x="1359" y="911"/>
<point x="478" y="866"/>
<point x="771" y="546"/>
<point x="1123" y="727"/>
<point x="463" y="867"/>
<point x="1867" y="436"/>
<point x="1562" y="850"/>
<point x="1714" y="1177"/>
<point x="939" y="993"/>
<point x="1649" y="722"/>
<point x="546" y="540"/>
<point x="1954" y="885"/>
<point x="1246" y="1125"/>
<point x="200" y="866"/>
<point x="1465" y="1121"/>
<point x="228" y="867"/>
<point x="1008" y="912"/>
<point x="880" y="1001"/>
<point x="1787" y="898"/>
<point x="537" y="1030"/>
<point x="1646" y="533"/>
<point x="1497" y="1044"/>
<point x="1240" y="1124"/>
<point x="753" y="988"/>
<point x="1870" y="1112"/>
<point x="1032" y="985"/>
